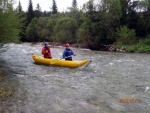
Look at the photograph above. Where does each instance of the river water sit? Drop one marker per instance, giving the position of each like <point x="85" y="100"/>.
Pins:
<point x="106" y="85"/>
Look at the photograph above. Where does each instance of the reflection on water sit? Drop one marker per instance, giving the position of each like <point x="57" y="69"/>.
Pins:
<point x="93" y="89"/>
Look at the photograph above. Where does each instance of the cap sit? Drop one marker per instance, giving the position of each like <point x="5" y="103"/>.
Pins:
<point x="45" y="43"/>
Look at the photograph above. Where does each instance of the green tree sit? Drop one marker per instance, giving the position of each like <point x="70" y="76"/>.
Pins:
<point x="30" y="12"/>
<point x="74" y="4"/>
<point x="99" y="23"/>
<point x="139" y="18"/>
<point x="124" y="9"/>
<point x="32" y="29"/>
<point x="22" y="19"/>
<point x="38" y="12"/>
<point x="85" y="31"/>
<point x="65" y="30"/>
<point x="132" y="18"/>
<point x="146" y="16"/>
<point x="54" y="7"/>
<point x="74" y="13"/>
<point x="8" y="22"/>
<point x="41" y="29"/>
<point x="19" y="7"/>
<point x="45" y="28"/>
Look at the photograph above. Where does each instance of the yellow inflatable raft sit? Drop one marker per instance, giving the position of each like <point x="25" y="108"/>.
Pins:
<point x="59" y="62"/>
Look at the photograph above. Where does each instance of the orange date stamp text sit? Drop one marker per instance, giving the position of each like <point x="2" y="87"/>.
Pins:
<point x="129" y="100"/>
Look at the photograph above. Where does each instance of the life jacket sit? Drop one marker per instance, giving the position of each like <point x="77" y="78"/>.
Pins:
<point x="46" y="55"/>
<point x="68" y="54"/>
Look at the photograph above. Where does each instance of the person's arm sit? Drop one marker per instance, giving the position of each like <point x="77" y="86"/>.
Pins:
<point x="72" y="53"/>
<point x="64" y="54"/>
<point x="50" y="55"/>
<point x="43" y="51"/>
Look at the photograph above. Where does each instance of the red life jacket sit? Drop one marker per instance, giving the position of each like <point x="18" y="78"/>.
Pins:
<point x="48" y="54"/>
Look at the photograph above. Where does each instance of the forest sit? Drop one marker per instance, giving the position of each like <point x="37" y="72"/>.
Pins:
<point x="100" y="25"/>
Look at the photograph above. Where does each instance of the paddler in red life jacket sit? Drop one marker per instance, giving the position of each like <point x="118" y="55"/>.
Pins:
<point x="46" y="51"/>
<point x="67" y="54"/>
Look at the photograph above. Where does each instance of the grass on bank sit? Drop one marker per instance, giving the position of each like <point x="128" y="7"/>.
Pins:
<point x="136" y="48"/>
<point x="5" y="93"/>
<point x="142" y="45"/>
<point x="126" y="40"/>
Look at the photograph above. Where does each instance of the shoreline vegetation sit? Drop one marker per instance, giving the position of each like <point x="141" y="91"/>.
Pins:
<point x="6" y="91"/>
<point x="136" y="48"/>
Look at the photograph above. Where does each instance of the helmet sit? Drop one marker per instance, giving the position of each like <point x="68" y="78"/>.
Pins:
<point x="67" y="45"/>
<point x="45" y="43"/>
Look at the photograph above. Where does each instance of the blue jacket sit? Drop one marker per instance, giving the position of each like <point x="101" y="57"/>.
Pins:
<point x="67" y="54"/>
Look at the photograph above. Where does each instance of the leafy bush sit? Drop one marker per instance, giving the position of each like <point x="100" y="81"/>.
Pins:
<point x="145" y="41"/>
<point x="65" y="30"/>
<point x="136" y="48"/>
<point x="125" y="36"/>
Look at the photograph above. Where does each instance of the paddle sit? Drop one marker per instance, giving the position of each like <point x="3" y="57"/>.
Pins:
<point x="55" y="60"/>
<point x="67" y="56"/>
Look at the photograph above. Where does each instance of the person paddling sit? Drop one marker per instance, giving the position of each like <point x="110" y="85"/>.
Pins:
<point x="67" y="54"/>
<point x="46" y="51"/>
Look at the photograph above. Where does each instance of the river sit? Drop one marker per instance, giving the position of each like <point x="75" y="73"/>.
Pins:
<point x="111" y="83"/>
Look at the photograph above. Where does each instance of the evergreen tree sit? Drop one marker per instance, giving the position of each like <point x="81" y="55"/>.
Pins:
<point x="74" y="4"/>
<point x="132" y="19"/>
<point x="19" y="7"/>
<point x="73" y="12"/>
<point x="99" y="23"/>
<point x="54" y="7"/>
<point x="146" y="16"/>
<point x="32" y="31"/>
<point x="38" y="12"/>
<point x="30" y="13"/>
<point x="22" y="20"/>
<point x="124" y="8"/>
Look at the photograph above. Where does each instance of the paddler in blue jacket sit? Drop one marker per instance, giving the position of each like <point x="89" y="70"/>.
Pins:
<point x="67" y="54"/>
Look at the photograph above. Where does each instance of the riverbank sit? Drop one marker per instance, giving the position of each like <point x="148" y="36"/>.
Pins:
<point x="131" y="48"/>
<point x="1" y="73"/>
<point x="137" y="48"/>
<point x="6" y="91"/>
